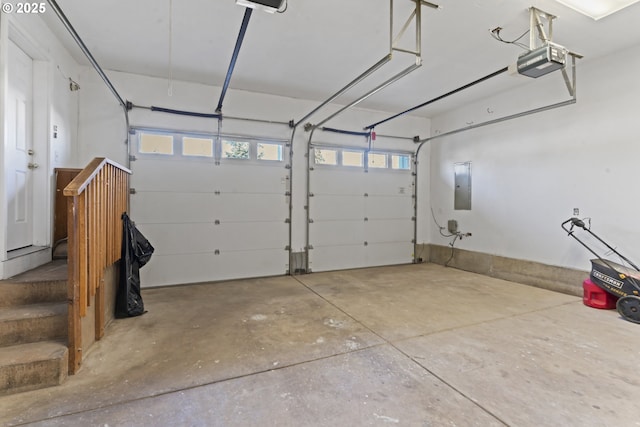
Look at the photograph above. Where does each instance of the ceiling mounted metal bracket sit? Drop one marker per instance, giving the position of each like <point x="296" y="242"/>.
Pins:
<point x="416" y="16"/>
<point x="537" y="29"/>
<point x="571" y="81"/>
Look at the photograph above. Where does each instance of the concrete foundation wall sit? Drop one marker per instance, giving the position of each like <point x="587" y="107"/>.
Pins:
<point x="559" y="279"/>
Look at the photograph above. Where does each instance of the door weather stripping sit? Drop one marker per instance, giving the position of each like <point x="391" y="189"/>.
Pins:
<point x="86" y="52"/>
<point x="416" y="16"/>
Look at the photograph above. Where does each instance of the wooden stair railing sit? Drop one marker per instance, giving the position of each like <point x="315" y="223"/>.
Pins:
<point x="96" y="200"/>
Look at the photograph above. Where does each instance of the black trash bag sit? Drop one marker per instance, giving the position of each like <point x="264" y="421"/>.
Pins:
<point x="136" y="252"/>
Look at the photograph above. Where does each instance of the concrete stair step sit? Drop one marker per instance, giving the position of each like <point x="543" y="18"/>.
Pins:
<point x="32" y="323"/>
<point x="16" y="293"/>
<point x="32" y="366"/>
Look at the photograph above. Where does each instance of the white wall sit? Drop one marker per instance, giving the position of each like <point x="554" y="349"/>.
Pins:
<point x="54" y="105"/>
<point x="529" y="173"/>
<point x="102" y="124"/>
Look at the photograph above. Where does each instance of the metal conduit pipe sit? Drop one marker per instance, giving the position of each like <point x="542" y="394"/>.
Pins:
<point x="438" y="98"/>
<point x="86" y="52"/>
<point x="234" y="57"/>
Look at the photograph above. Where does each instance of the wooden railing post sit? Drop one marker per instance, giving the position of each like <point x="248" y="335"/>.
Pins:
<point x="75" y="335"/>
<point x="97" y="197"/>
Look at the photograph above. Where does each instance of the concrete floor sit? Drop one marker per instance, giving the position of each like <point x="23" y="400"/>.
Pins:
<point x="417" y="345"/>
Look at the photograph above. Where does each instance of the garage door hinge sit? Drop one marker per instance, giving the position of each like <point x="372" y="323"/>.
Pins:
<point x="217" y="193"/>
<point x="413" y="218"/>
<point x="287" y="167"/>
<point x="217" y="222"/>
<point x="287" y="221"/>
<point x="310" y="221"/>
<point x="413" y="241"/>
<point x="366" y="219"/>
<point x="309" y="247"/>
<point x="312" y="168"/>
<point x="216" y="252"/>
<point x="132" y="158"/>
<point x="366" y="243"/>
<point x="287" y="248"/>
<point x="287" y="193"/>
<point x="366" y="194"/>
<point x="132" y="191"/>
<point x="311" y="195"/>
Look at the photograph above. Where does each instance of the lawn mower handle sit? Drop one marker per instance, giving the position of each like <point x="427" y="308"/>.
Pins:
<point x="575" y="222"/>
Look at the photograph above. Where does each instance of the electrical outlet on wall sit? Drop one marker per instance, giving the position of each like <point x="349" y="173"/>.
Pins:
<point x="576" y="211"/>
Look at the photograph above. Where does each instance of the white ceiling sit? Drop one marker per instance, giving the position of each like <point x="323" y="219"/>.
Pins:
<point x="318" y="46"/>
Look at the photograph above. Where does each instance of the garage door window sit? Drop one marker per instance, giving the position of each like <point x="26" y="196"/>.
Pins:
<point x="150" y="143"/>
<point x="271" y="152"/>
<point x="400" y="162"/>
<point x="197" y="147"/>
<point x="377" y="160"/>
<point x="325" y="156"/>
<point x="235" y="149"/>
<point x="352" y="158"/>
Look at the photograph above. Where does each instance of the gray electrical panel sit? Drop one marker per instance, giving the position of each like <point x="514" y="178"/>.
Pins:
<point x="462" y="190"/>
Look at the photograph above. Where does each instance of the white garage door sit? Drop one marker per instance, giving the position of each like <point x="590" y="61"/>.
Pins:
<point x="213" y="208"/>
<point x="360" y="209"/>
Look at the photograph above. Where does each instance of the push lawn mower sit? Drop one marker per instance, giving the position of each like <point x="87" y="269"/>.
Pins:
<point x="616" y="279"/>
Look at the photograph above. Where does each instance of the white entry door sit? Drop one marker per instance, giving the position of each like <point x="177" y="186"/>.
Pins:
<point x="18" y="145"/>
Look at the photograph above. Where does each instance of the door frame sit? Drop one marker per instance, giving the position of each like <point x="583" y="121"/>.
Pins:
<point x="42" y="84"/>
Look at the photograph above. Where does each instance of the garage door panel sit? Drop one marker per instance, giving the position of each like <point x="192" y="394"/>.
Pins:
<point x="165" y="207"/>
<point x="394" y="230"/>
<point x="251" y="236"/>
<point x="389" y="207"/>
<point x="334" y="181"/>
<point x="331" y="207"/>
<point x="179" y="269"/>
<point x="389" y="253"/>
<point x="332" y="233"/>
<point x="251" y="207"/>
<point x="337" y="258"/>
<point x="261" y="263"/>
<point x="170" y="239"/>
<point x="243" y="178"/>
<point x="209" y="221"/>
<point x="172" y="175"/>
<point x="342" y="197"/>
<point x="386" y="180"/>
